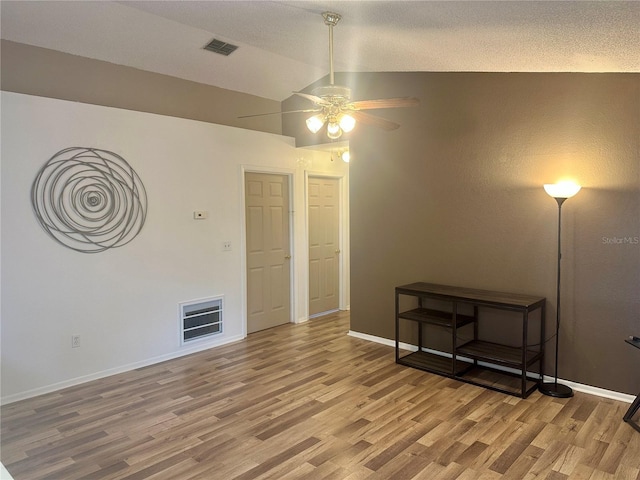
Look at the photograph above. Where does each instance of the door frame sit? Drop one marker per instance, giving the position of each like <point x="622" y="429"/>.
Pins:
<point x="299" y="239"/>
<point x="289" y="173"/>
<point x="343" y="237"/>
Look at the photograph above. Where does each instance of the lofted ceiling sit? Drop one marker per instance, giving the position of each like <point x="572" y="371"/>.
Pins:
<point x="283" y="45"/>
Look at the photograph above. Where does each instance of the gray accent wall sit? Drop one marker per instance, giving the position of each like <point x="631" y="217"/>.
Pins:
<point x="48" y="73"/>
<point x="455" y="197"/>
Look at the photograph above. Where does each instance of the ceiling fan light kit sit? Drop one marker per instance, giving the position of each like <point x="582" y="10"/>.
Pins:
<point x="335" y="124"/>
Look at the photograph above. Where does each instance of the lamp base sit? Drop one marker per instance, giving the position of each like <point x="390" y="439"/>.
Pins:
<point x="557" y="390"/>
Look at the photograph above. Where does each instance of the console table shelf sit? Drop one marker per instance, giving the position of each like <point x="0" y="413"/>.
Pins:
<point x="435" y="317"/>
<point x="498" y="353"/>
<point x="469" y="357"/>
<point x="434" y="363"/>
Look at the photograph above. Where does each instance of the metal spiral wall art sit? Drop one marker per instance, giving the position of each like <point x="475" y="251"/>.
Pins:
<point x="89" y="200"/>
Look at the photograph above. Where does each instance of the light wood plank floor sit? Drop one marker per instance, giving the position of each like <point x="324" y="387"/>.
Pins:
<point x="308" y="401"/>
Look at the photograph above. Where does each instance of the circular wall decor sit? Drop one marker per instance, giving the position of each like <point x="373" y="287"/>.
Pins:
<point x="89" y="199"/>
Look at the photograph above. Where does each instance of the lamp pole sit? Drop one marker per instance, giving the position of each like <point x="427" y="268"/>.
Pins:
<point x="560" y="192"/>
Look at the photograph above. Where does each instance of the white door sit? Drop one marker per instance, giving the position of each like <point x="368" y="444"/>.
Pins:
<point x="324" y="244"/>
<point x="268" y="253"/>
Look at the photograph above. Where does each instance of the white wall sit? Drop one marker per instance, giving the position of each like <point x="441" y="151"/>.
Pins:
<point x="123" y="302"/>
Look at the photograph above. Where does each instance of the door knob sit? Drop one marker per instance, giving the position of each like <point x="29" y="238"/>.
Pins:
<point x="338" y="250"/>
<point x="287" y="257"/>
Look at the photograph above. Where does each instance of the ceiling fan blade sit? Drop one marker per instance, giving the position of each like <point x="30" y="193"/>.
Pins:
<point x="283" y="113"/>
<point x="313" y="98"/>
<point x="373" y="120"/>
<point x="385" y="103"/>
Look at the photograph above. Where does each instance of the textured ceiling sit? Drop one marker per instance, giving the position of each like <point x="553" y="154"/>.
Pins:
<point x="284" y="45"/>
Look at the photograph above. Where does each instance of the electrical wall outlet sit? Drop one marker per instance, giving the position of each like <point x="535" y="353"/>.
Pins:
<point x="226" y="246"/>
<point x="75" y="341"/>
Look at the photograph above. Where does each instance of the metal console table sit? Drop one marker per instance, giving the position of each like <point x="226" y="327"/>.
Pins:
<point x="636" y="403"/>
<point x="466" y="356"/>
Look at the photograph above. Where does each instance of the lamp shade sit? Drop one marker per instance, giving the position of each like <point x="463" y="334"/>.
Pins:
<point x="562" y="189"/>
<point x="347" y="122"/>
<point x="333" y="130"/>
<point x="315" y="123"/>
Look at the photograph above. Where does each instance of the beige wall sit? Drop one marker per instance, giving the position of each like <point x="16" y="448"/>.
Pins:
<point x="123" y="302"/>
<point x="47" y="73"/>
<point x="455" y="197"/>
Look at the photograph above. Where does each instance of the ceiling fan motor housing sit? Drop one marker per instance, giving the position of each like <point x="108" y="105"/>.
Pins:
<point x="333" y="93"/>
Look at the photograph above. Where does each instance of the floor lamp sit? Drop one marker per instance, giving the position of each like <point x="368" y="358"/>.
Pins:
<point x="559" y="191"/>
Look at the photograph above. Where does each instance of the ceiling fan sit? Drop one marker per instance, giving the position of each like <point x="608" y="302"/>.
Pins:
<point x="333" y="106"/>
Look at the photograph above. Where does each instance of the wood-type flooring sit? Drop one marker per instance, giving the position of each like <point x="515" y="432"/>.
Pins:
<point x="310" y="402"/>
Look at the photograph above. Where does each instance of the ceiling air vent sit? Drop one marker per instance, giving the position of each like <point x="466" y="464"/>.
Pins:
<point x="218" y="46"/>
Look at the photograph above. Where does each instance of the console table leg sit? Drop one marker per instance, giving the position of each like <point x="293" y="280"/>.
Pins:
<point x="631" y="412"/>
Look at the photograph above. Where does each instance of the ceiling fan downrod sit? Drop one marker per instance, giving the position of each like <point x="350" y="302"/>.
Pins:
<point x="331" y="19"/>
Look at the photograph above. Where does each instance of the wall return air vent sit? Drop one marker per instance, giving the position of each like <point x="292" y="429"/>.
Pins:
<point x="200" y="319"/>
<point x="218" y="46"/>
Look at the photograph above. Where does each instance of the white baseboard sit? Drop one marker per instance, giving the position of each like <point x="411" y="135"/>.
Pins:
<point x="384" y="341"/>
<point x="322" y="314"/>
<point x="114" y="371"/>
<point x="600" y="392"/>
<point x="579" y="387"/>
<point x="4" y="474"/>
<point x="306" y="319"/>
